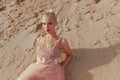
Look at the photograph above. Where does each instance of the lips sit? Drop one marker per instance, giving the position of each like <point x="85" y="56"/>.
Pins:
<point x="47" y="30"/>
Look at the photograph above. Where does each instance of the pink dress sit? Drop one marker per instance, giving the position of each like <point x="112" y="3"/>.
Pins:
<point x="46" y="67"/>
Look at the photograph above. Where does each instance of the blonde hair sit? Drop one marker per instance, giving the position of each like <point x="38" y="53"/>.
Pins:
<point x="51" y="14"/>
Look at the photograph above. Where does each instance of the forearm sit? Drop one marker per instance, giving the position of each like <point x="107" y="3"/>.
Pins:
<point x="67" y="61"/>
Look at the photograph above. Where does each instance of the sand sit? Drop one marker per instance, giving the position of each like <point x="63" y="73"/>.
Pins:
<point x="91" y="27"/>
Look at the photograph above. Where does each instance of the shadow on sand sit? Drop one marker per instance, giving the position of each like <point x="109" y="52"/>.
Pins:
<point x="85" y="60"/>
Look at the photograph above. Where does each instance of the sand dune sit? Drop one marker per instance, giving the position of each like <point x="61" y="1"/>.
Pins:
<point x="91" y="27"/>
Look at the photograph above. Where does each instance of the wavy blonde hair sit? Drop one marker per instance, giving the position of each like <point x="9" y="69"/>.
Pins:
<point x="51" y="14"/>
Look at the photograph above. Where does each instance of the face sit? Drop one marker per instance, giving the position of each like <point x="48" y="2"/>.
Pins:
<point x="48" y="24"/>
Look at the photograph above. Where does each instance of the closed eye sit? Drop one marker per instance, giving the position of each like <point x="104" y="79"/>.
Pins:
<point x="49" y="23"/>
<point x="43" y="23"/>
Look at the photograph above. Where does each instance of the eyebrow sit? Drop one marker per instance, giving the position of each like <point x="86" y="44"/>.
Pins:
<point x="47" y="23"/>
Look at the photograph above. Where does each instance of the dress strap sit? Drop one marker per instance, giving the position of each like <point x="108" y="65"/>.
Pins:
<point x="57" y="42"/>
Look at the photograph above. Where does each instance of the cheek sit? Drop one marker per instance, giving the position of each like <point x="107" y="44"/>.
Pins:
<point x="54" y="25"/>
<point x="43" y="27"/>
<point x="51" y="26"/>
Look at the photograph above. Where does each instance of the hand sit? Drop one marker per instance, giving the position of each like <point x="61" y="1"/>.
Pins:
<point x="63" y="66"/>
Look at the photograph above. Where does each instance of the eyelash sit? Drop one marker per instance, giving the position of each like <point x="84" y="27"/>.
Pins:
<point x="50" y="23"/>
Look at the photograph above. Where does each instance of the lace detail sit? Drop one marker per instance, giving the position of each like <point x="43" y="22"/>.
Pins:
<point x="48" y="55"/>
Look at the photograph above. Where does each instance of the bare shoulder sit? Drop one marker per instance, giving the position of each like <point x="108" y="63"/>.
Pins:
<point x="66" y="46"/>
<point x="65" y="42"/>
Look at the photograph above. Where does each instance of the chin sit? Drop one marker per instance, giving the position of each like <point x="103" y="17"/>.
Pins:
<point x="48" y="32"/>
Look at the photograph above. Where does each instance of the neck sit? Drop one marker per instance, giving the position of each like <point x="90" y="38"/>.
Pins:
<point x="54" y="35"/>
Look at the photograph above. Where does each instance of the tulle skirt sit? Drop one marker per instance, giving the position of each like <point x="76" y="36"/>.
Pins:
<point x="37" y="71"/>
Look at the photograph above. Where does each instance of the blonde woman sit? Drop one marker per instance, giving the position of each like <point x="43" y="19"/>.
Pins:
<point x="53" y="53"/>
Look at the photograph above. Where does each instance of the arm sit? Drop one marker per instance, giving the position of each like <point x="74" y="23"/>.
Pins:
<point x="37" y="48"/>
<point x="68" y="51"/>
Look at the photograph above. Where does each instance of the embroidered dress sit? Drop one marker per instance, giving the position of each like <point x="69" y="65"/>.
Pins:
<point x="46" y="67"/>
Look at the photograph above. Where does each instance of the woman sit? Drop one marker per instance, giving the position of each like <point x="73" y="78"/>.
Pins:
<point x="49" y="49"/>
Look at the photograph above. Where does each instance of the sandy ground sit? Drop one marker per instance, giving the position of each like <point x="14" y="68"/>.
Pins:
<point x="91" y="27"/>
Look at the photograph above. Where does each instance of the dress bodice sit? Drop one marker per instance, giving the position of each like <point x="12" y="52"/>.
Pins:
<point x="48" y="55"/>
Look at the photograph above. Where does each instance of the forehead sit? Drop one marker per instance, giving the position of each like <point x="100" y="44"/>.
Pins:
<point x="46" y="18"/>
